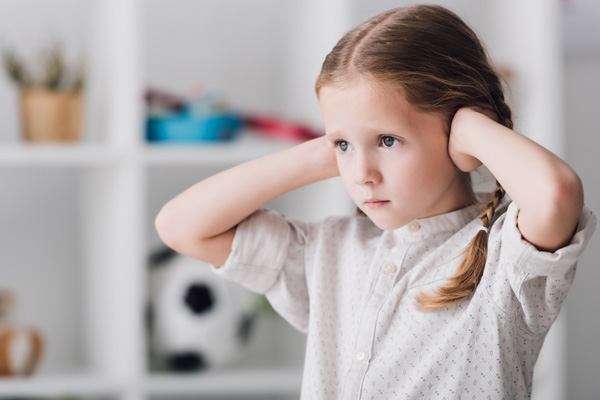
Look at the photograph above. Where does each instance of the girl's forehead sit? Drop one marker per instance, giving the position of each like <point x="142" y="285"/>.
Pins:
<point x="364" y="100"/>
<point x="364" y="106"/>
<point x="358" y="83"/>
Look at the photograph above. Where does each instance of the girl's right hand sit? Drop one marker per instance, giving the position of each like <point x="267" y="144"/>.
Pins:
<point x="324" y="157"/>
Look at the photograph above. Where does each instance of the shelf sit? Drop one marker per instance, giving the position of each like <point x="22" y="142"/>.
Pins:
<point x="274" y="381"/>
<point x="56" y="154"/>
<point x="60" y="385"/>
<point x="248" y="146"/>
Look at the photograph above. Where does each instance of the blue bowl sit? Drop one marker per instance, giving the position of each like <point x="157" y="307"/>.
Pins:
<point x="185" y="128"/>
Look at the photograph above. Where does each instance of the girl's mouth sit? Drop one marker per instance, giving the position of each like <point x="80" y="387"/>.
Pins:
<point x="375" y="203"/>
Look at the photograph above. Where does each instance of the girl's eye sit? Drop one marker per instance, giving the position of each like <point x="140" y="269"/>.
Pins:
<point x="343" y="145"/>
<point x="389" y="141"/>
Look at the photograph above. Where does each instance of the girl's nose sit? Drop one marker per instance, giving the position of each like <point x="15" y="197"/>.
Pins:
<point x="365" y="169"/>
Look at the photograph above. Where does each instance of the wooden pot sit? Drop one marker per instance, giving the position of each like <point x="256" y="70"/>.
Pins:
<point x="51" y="115"/>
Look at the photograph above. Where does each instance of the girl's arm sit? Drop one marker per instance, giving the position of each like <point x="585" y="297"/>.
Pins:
<point x="548" y="192"/>
<point x="201" y="221"/>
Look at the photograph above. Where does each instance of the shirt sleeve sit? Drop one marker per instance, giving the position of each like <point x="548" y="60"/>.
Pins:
<point x="268" y="257"/>
<point x="531" y="285"/>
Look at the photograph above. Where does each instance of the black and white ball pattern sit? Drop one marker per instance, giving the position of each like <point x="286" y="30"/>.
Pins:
<point x="197" y="320"/>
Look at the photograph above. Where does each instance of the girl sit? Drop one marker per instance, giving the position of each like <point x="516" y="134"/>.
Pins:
<point x="434" y="292"/>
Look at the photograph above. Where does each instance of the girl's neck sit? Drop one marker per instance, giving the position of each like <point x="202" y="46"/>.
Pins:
<point x="459" y="195"/>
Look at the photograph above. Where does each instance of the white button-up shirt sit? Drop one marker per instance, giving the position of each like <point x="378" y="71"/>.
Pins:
<point x="352" y="286"/>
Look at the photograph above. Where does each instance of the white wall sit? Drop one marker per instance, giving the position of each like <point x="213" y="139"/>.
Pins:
<point x="230" y="45"/>
<point x="583" y="147"/>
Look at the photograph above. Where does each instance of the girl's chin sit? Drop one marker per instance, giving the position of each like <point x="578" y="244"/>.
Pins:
<point x="384" y="223"/>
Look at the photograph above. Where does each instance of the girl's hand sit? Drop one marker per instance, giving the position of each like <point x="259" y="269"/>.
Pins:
<point x="324" y="157"/>
<point x="466" y="121"/>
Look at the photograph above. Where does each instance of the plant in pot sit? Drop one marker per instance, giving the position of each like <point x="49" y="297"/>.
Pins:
<point x="50" y="97"/>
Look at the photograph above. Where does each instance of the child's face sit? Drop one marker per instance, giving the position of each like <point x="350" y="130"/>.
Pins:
<point x="392" y="157"/>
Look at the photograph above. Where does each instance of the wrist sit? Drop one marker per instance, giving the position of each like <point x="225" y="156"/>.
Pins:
<point x="467" y="127"/>
<point x="318" y="160"/>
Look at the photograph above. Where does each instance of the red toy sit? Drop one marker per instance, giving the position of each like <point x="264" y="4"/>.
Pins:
<point x="279" y="128"/>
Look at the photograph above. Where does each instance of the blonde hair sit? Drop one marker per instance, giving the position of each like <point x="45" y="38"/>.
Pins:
<point x="440" y="65"/>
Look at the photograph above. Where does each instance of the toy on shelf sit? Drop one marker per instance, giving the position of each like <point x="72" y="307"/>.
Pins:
<point x="279" y="128"/>
<point x="21" y="346"/>
<point x="206" y="116"/>
<point x="196" y="319"/>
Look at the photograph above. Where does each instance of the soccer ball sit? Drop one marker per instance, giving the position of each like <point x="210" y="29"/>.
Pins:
<point x="196" y="319"/>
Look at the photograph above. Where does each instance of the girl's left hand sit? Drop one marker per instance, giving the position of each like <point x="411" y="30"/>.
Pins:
<point x="465" y="119"/>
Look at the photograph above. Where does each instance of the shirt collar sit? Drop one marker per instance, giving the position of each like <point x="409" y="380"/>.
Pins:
<point x="453" y="221"/>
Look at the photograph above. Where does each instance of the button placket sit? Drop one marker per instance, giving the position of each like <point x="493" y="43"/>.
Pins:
<point x="363" y="349"/>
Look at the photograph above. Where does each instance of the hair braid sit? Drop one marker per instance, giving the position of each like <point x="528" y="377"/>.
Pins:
<point x="469" y="272"/>
<point x="491" y="206"/>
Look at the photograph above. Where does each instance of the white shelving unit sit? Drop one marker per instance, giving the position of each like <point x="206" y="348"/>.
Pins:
<point x="113" y="202"/>
<point x="120" y="183"/>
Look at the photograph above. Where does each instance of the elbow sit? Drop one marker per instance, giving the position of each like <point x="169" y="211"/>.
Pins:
<point x="566" y="196"/>
<point x="553" y="213"/>
<point x="175" y="231"/>
<point x="177" y="235"/>
<point x="570" y="191"/>
<point x="166" y="228"/>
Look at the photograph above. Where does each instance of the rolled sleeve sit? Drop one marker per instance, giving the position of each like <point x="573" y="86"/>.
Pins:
<point x="268" y="257"/>
<point x="258" y="253"/>
<point x="539" y="281"/>
<point x="540" y="263"/>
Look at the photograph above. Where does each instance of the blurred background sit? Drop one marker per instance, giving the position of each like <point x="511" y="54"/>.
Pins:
<point x="109" y="108"/>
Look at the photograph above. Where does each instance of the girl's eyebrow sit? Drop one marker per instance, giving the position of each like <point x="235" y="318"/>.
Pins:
<point x="367" y="130"/>
<point x="333" y="136"/>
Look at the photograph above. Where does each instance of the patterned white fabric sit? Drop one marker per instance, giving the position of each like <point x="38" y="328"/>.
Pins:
<point x="351" y="287"/>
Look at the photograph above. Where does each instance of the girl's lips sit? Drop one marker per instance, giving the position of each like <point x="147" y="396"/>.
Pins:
<point x="374" y="203"/>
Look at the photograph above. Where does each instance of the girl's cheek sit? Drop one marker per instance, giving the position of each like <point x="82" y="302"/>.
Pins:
<point x="344" y="165"/>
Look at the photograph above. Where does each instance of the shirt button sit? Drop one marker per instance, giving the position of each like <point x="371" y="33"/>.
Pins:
<point x="360" y="355"/>
<point x="389" y="267"/>
<point x="414" y="226"/>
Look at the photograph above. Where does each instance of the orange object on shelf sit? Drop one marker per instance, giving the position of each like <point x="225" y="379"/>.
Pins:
<point x="20" y="350"/>
<point x="51" y="115"/>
